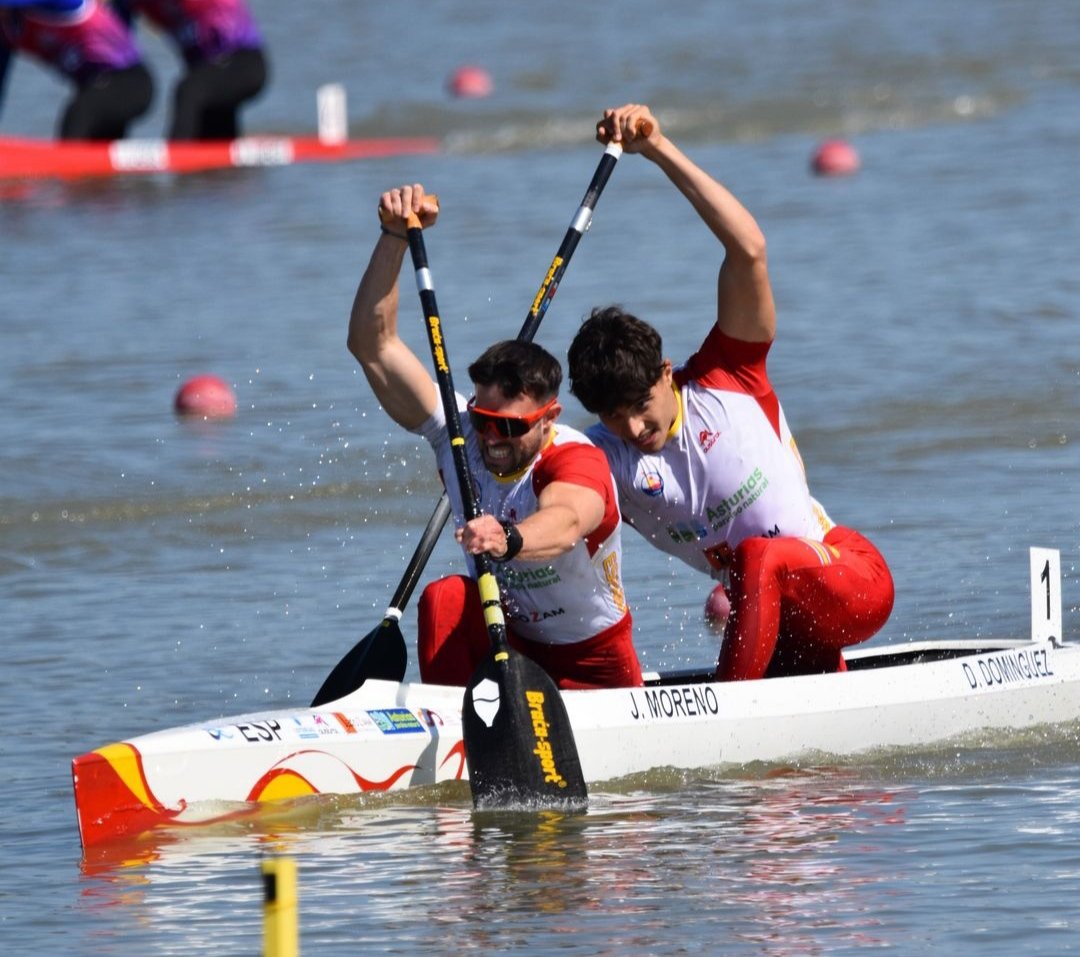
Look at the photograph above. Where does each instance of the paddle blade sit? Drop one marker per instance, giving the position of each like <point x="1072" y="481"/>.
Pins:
<point x="381" y="653"/>
<point x="518" y="741"/>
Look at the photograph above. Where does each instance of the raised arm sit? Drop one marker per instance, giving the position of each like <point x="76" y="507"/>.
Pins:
<point x="398" y="378"/>
<point x="745" y="306"/>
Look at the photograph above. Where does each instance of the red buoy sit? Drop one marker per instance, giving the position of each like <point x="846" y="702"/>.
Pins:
<point x="206" y="396"/>
<point x="717" y="608"/>
<point x="835" y="158"/>
<point x="471" y="82"/>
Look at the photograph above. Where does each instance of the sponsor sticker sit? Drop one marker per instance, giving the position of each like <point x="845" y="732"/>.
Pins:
<point x="396" y="721"/>
<point x="344" y="721"/>
<point x="303" y="731"/>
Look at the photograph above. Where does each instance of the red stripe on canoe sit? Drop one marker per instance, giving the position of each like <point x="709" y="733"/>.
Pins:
<point x="46" y="159"/>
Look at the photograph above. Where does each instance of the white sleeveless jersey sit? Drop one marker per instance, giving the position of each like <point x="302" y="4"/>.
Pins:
<point x="566" y="599"/>
<point x="729" y="471"/>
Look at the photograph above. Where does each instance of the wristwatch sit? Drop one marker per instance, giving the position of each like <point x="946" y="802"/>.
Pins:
<point x="513" y="542"/>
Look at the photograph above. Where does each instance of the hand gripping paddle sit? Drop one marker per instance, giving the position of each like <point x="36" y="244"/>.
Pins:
<point x="519" y="743"/>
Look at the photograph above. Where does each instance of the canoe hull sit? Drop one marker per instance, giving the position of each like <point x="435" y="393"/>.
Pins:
<point x="390" y="736"/>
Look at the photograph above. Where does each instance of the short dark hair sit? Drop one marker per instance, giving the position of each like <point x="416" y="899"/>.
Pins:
<point x="518" y="368"/>
<point x="614" y="360"/>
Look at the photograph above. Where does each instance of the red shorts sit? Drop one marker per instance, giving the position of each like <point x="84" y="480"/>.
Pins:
<point x="453" y="640"/>
<point x="796" y="603"/>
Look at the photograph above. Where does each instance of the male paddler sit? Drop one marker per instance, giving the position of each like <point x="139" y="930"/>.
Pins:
<point x="551" y="515"/>
<point x="706" y="466"/>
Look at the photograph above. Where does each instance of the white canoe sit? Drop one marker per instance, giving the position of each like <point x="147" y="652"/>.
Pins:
<point x="392" y="736"/>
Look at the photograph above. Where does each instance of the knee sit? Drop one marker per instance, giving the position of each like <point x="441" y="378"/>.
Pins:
<point x="449" y="589"/>
<point x="440" y="611"/>
<point x="749" y="558"/>
<point x="449" y="644"/>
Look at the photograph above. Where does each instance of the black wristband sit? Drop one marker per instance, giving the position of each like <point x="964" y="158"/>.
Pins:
<point x="513" y="542"/>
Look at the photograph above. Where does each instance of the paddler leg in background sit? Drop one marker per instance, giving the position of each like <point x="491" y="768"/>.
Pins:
<point x="88" y="44"/>
<point x="225" y="63"/>
<point x="207" y="100"/>
<point x="797" y="603"/>
<point x="103" y="108"/>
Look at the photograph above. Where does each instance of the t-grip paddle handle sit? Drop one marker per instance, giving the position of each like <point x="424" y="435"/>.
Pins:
<point x="387" y="219"/>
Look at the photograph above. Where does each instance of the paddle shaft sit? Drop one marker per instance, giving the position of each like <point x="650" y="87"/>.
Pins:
<point x="520" y="749"/>
<point x="490" y="597"/>
<point x="579" y="225"/>
<point x="420" y="557"/>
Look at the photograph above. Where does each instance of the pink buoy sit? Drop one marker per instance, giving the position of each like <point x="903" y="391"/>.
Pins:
<point x="835" y="158"/>
<point x="717" y="608"/>
<point x="471" y="82"/>
<point x="206" y="396"/>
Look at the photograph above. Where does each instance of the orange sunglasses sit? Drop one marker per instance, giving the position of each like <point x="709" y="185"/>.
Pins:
<point x="501" y="425"/>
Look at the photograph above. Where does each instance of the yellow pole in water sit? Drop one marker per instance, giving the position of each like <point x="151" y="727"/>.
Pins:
<point x="281" y="936"/>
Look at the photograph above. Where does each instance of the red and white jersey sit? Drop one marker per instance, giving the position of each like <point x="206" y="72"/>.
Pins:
<point x="565" y="599"/>
<point x="730" y="469"/>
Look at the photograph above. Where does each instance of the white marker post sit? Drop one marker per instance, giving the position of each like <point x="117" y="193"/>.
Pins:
<point x="1046" y="595"/>
<point x="333" y="114"/>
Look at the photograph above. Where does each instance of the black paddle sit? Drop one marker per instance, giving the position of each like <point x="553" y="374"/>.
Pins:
<point x="381" y="653"/>
<point x="518" y="740"/>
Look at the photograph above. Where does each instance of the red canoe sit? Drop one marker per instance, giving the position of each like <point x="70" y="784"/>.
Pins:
<point x="47" y="159"/>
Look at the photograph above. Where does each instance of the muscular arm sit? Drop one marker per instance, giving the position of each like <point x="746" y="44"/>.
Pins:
<point x="745" y="307"/>
<point x="566" y="514"/>
<point x="399" y="380"/>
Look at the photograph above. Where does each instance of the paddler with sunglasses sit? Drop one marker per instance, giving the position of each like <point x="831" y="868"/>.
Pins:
<point x="550" y="511"/>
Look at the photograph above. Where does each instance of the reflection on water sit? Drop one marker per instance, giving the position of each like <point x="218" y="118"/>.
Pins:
<point x="758" y="860"/>
<point x="759" y="854"/>
<point x="780" y="861"/>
